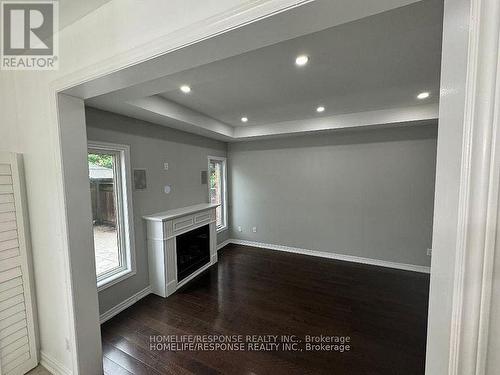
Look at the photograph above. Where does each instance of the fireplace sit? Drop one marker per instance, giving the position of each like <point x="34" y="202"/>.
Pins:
<point x="193" y="251"/>
<point x="182" y="243"/>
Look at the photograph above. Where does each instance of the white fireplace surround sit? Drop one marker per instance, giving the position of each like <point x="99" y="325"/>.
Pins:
<point x="162" y="230"/>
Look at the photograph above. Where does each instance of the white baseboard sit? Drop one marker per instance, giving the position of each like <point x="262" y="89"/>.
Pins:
<point x="222" y="244"/>
<point x="346" y="258"/>
<point x="324" y="254"/>
<point x="123" y="305"/>
<point x="53" y="366"/>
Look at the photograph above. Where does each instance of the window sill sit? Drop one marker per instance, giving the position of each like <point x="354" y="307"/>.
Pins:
<point x="114" y="279"/>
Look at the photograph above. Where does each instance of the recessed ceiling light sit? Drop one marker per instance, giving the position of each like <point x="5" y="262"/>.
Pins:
<point x="423" y="95"/>
<point x="244" y="119"/>
<point x="301" y="60"/>
<point x="320" y="109"/>
<point x="185" y="89"/>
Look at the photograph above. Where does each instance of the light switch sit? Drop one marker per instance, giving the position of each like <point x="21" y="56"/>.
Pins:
<point x="165" y="166"/>
<point x="167" y="189"/>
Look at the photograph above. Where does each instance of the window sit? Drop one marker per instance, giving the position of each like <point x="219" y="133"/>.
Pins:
<point x="112" y="217"/>
<point x="217" y="188"/>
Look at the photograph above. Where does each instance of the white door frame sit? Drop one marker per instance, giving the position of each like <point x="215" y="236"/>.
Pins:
<point x="478" y="195"/>
<point x="470" y="291"/>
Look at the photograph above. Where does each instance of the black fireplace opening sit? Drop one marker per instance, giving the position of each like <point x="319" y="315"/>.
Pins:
<point x="193" y="251"/>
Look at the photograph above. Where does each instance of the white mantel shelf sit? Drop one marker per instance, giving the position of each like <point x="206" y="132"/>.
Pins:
<point x="178" y="212"/>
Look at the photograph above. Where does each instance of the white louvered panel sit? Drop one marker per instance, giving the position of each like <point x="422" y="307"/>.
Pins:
<point x="7" y="207"/>
<point x="7" y="322"/>
<point x="5" y="169"/>
<point x="5" y="333"/>
<point x="12" y="310"/>
<point x="7" y="264"/>
<point x="18" y="352"/>
<point x="15" y="354"/>
<point x="12" y="347"/>
<point x="4" y="189"/>
<point x="8" y="235"/>
<point x="10" y="284"/>
<point x="23" y="348"/>
<point x="6" y="180"/>
<point x="13" y="367"/>
<point x="8" y="303"/>
<point x="9" y="293"/>
<point x="12" y="329"/>
<point x="7" y="216"/>
<point x="9" y="244"/>
<point x="20" y="333"/>
<point x="8" y="225"/>
<point x="7" y="198"/>
<point x="9" y="253"/>
<point x="9" y="274"/>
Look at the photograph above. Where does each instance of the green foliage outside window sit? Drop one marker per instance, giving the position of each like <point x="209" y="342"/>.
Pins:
<point x="101" y="160"/>
<point x="213" y="175"/>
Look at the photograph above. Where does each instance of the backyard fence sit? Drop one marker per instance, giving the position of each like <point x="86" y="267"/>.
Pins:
<point x="103" y="202"/>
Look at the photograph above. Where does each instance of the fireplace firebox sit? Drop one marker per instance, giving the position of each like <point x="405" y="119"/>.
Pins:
<point x="193" y="251"/>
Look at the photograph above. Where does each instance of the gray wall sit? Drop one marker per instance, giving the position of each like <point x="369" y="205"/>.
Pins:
<point x="367" y="193"/>
<point x="150" y="146"/>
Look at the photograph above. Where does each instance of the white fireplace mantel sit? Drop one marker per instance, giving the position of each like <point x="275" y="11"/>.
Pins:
<point x="162" y="230"/>
<point x="183" y="211"/>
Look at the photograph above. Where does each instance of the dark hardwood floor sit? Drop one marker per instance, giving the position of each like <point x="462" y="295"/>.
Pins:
<point x="261" y="292"/>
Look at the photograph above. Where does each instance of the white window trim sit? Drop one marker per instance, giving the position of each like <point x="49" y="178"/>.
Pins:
<point x="128" y="213"/>
<point x="224" y="188"/>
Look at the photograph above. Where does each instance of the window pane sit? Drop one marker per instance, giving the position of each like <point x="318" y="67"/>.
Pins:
<point x="103" y="189"/>
<point x="216" y="186"/>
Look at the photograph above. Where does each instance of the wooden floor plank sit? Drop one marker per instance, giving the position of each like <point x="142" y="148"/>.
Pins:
<point x="257" y="292"/>
<point x="112" y="368"/>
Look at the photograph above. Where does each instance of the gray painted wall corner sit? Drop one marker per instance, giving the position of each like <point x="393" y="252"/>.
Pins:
<point x="150" y="146"/>
<point x="366" y="193"/>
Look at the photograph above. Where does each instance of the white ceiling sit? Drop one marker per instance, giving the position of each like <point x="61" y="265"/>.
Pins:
<point x="72" y="10"/>
<point x="368" y="71"/>
<point x="378" y="62"/>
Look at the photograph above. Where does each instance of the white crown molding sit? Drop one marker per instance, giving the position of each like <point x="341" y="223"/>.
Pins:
<point x="171" y="114"/>
<point x="158" y="110"/>
<point x="124" y="304"/>
<point x="53" y="366"/>
<point x="328" y="255"/>
<point x="393" y="116"/>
